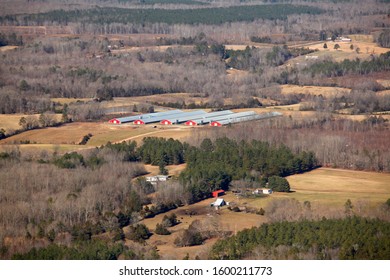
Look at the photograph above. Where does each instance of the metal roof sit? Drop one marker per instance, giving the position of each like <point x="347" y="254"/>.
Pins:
<point x="160" y="117"/>
<point x="206" y="118"/>
<point x="234" y="115"/>
<point x="249" y="117"/>
<point x="185" y="116"/>
<point x="150" y="115"/>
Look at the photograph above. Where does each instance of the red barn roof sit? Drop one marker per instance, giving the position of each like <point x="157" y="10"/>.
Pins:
<point x="166" y="122"/>
<point x="215" y="124"/>
<point x="139" y="122"/>
<point x="114" y="121"/>
<point x="191" y="123"/>
<point x="218" y="193"/>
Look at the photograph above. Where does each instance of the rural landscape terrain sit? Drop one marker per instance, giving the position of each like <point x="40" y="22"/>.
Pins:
<point x="280" y="149"/>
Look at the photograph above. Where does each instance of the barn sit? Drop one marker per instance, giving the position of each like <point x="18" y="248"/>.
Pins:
<point x="219" y="202"/>
<point x="242" y="117"/>
<point x="183" y="117"/>
<point x="142" y="117"/>
<point x="218" y="193"/>
<point x="157" y="117"/>
<point x="203" y="119"/>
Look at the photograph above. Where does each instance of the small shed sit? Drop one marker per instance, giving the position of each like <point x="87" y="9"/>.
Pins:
<point x="267" y="191"/>
<point x="218" y="193"/>
<point x="219" y="202"/>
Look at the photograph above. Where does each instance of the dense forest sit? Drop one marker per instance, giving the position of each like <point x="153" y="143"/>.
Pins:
<point x="351" y="238"/>
<point x="186" y="16"/>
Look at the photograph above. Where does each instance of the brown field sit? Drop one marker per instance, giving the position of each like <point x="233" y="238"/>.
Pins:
<point x="8" y="48"/>
<point x="63" y="101"/>
<point x="10" y="122"/>
<point x="71" y="134"/>
<point x="333" y="187"/>
<point x="172" y="169"/>
<point x="384" y="83"/>
<point x="313" y="90"/>
<point x="150" y="48"/>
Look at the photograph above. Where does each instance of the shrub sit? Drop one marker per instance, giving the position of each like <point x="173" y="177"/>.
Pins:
<point x="138" y="233"/>
<point x="278" y="184"/>
<point x="162" y="230"/>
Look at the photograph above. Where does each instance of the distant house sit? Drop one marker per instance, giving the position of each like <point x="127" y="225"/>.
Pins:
<point x="219" y="202"/>
<point x="157" y="178"/>
<point x="262" y="191"/>
<point x="218" y="193"/>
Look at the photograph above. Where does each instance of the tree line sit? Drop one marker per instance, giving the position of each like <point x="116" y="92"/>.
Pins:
<point x="209" y="16"/>
<point x="353" y="238"/>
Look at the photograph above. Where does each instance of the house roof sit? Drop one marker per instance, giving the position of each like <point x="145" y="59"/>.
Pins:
<point x="219" y="202"/>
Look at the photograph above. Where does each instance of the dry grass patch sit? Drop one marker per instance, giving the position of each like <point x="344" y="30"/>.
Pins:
<point x="73" y="133"/>
<point x="8" y="48"/>
<point x="36" y="149"/>
<point x="335" y="186"/>
<point x="329" y="187"/>
<point x="10" y="122"/>
<point x="313" y="90"/>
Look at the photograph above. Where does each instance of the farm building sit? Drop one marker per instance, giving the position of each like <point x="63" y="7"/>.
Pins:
<point x="242" y="117"/>
<point x="143" y="116"/>
<point x="218" y="203"/>
<point x="158" y="178"/>
<point x="263" y="191"/>
<point x="183" y="117"/>
<point x="218" y="193"/>
<point x="158" y="117"/>
<point x="204" y="119"/>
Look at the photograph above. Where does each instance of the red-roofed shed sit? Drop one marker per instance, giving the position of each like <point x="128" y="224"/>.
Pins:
<point x="218" y="193"/>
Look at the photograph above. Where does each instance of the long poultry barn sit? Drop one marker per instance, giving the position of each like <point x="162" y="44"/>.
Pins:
<point x="158" y="118"/>
<point x="193" y="118"/>
<point x="183" y="117"/>
<point x="243" y="117"/>
<point x="206" y="118"/>
<point x="144" y="116"/>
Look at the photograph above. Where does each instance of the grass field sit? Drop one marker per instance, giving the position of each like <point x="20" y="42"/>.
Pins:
<point x="334" y="186"/>
<point x="313" y="90"/>
<point x="10" y="122"/>
<point x="70" y="135"/>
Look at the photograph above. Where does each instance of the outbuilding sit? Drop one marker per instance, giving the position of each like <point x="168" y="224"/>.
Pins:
<point x="218" y="193"/>
<point x="219" y="202"/>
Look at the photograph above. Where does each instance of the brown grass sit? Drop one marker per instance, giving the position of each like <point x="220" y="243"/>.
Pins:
<point x="333" y="187"/>
<point x="10" y="122"/>
<point x="8" y="48"/>
<point x="313" y="90"/>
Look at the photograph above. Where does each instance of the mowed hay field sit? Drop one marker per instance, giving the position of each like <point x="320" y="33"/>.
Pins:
<point x="71" y="134"/>
<point x="333" y="187"/>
